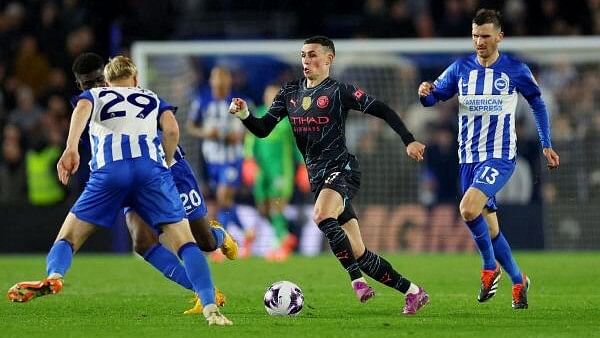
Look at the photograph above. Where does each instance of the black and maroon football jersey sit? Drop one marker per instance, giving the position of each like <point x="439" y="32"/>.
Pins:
<point x="318" y="118"/>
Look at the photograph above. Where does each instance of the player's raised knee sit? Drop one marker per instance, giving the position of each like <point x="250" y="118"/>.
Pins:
<point x="319" y="216"/>
<point x="468" y="212"/>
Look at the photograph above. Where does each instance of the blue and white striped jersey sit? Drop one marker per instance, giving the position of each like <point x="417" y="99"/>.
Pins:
<point x="124" y="124"/>
<point x="487" y="98"/>
<point x="214" y="113"/>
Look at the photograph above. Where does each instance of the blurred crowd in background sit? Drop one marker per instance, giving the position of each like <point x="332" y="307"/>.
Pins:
<point x="40" y="39"/>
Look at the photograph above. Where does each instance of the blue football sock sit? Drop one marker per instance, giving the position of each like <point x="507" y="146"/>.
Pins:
<point x="479" y="230"/>
<point x="224" y="216"/>
<point x="234" y="216"/>
<point x="219" y="235"/>
<point x="504" y="256"/>
<point x="197" y="271"/>
<point x="59" y="258"/>
<point x="166" y="262"/>
<point x="228" y="215"/>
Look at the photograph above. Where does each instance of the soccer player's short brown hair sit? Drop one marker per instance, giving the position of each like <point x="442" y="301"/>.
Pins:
<point x="321" y="40"/>
<point x="484" y="16"/>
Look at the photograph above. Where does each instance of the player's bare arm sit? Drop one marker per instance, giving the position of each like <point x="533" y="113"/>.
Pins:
<point x="170" y="138"/>
<point x="201" y="132"/>
<point x="235" y="137"/>
<point x="211" y="133"/>
<point x="69" y="161"/>
<point x="192" y="129"/>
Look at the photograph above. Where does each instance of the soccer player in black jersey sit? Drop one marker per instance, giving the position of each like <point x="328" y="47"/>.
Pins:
<point x="317" y="107"/>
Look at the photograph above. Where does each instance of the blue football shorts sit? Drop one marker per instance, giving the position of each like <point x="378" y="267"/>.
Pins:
<point x="488" y="176"/>
<point x="189" y="191"/>
<point x="141" y="183"/>
<point x="228" y="174"/>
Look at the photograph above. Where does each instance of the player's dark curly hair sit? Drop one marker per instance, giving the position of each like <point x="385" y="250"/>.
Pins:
<point x="321" y="40"/>
<point x="484" y="16"/>
<point x="88" y="70"/>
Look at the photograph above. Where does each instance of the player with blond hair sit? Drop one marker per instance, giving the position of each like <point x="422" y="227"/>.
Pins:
<point x="129" y="167"/>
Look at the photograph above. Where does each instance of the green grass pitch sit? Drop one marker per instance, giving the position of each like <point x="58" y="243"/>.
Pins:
<point x="122" y="296"/>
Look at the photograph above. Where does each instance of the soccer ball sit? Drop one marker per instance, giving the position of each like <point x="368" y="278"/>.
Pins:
<point x="283" y="299"/>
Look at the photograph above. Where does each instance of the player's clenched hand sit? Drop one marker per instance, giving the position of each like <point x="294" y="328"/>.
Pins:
<point x="416" y="150"/>
<point x="552" y="158"/>
<point x="425" y="89"/>
<point x="239" y="108"/>
<point x="67" y="165"/>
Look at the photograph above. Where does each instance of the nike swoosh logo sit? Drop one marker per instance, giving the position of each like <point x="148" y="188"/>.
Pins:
<point x="171" y="273"/>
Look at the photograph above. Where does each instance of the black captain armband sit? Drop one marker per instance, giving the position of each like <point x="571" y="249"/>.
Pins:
<point x="382" y="111"/>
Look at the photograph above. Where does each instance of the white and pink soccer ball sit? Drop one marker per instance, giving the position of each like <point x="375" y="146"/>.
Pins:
<point x="284" y="299"/>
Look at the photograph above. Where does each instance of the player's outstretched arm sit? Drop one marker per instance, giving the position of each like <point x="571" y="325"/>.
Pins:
<point x="69" y="161"/>
<point x="542" y="121"/>
<point x="170" y="138"/>
<point x="529" y="88"/>
<point x="261" y="127"/>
